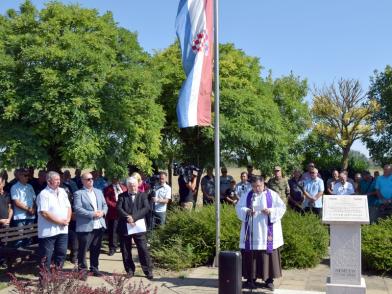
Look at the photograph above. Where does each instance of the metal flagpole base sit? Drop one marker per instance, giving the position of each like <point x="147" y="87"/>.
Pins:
<point x="216" y="261"/>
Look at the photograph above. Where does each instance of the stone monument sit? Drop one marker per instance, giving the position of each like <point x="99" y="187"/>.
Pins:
<point x="345" y="214"/>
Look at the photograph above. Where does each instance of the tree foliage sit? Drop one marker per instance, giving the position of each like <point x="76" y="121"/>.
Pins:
<point x="261" y="119"/>
<point x="327" y="156"/>
<point x="75" y="89"/>
<point x="340" y="112"/>
<point x="379" y="144"/>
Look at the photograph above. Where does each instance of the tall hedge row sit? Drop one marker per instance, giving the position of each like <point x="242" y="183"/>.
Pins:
<point x="188" y="239"/>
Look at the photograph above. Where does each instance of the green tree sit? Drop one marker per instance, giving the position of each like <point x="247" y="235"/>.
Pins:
<point x="76" y="90"/>
<point x="341" y="112"/>
<point x="327" y="156"/>
<point x="380" y="144"/>
<point x="260" y="119"/>
<point x="289" y="94"/>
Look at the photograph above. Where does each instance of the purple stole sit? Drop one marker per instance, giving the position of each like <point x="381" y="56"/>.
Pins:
<point x="270" y="230"/>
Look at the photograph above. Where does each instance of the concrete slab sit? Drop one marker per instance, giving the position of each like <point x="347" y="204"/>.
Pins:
<point x="283" y="291"/>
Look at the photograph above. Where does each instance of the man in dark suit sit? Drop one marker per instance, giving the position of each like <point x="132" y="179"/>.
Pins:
<point x="90" y="208"/>
<point x="132" y="207"/>
<point x="111" y="194"/>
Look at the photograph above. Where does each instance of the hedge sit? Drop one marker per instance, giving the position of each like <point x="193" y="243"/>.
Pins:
<point x="377" y="246"/>
<point x="188" y="238"/>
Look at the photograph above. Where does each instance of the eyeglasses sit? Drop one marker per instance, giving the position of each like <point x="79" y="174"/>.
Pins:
<point x="277" y="170"/>
<point x="312" y="173"/>
<point x="88" y="179"/>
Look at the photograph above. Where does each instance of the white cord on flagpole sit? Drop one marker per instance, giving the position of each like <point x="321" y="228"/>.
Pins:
<point x="216" y="132"/>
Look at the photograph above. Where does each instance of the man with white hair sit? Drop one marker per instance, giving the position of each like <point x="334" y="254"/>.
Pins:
<point x="343" y="187"/>
<point x="132" y="208"/>
<point x="54" y="215"/>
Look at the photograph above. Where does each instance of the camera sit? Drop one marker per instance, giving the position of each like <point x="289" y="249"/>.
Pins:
<point x="153" y="180"/>
<point x="185" y="171"/>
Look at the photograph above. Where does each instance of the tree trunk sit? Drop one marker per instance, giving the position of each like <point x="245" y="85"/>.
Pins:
<point x="346" y="153"/>
<point x="170" y="172"/>
<point x="55" y="163"/>
<point x="199" y="198"/>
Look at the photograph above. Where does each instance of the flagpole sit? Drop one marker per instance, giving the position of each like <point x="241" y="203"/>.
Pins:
<point x="216" y="132"/>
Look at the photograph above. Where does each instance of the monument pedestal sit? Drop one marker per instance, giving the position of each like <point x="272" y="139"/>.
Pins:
<point x="345" y="214"/>
<point x="346" y="289"/>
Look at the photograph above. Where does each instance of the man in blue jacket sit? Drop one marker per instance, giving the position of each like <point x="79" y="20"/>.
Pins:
<point x="90" y="208"/>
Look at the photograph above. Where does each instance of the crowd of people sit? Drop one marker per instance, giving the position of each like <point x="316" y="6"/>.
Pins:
<point x="303" y="190"/>
<point x="73" y="213"/>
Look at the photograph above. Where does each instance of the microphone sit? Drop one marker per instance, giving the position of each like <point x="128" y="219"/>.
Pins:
<point x="253" y="201"/>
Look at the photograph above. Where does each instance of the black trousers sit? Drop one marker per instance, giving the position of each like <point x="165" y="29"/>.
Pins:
<point x="89" y="241"/>
<point x="73" y="243"/>
<point x="144" y="256"/>
<point x="112" y="234"/>
<point x="315" y="210"/>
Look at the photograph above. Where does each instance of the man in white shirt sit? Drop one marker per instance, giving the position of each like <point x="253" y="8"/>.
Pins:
<point x="54" y="215"/>
<point x="343" y="187"/>
<point x="243" y="187"/>
<point x="160" y="200"/>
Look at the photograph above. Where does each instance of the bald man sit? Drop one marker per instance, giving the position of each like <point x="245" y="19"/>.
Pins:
<point x="90" y="208"/>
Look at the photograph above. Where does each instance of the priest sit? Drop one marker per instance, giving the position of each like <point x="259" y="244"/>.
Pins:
<point x="261" y="212"/>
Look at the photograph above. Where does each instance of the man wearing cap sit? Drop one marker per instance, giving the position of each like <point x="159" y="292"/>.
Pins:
<point x="279" y="184"/>
<point x="23" y="197"/>
<point x="132" y="208"/>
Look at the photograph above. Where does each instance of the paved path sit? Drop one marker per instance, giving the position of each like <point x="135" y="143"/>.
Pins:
<point x="205" y="280"/>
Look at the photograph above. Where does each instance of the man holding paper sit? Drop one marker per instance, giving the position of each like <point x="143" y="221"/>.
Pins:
<point x="132" y="207"/>
<point x="260" y="212"/>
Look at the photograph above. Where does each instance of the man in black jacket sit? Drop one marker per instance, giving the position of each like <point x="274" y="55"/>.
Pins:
<point x="132" y="207"/>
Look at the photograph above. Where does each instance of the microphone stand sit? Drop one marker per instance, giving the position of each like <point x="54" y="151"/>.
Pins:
<point x="253" y="285"/>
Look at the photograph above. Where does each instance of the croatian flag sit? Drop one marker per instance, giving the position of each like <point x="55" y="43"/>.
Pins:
<point x="194" y="26"/>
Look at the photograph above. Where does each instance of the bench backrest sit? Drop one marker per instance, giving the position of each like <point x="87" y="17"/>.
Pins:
<point x="18" y="233"/>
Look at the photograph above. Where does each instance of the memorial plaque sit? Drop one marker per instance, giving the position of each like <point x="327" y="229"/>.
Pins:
<point x="345" y="209"/>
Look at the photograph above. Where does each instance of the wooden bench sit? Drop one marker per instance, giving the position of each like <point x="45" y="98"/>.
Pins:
<point x="8" y="237"/>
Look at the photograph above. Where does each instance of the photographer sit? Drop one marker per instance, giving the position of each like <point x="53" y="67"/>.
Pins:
<point x="187" y="187"/>
<point x="162" y="196"/>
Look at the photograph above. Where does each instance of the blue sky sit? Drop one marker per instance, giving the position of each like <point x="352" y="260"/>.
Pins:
<point x="316" y="39"/>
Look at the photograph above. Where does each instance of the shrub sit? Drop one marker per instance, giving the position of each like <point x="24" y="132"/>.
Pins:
<point x="305" y="240"/>
<point x="58" y="282"/>
<point x="167" y="255"/>
<point x="191" y="235"/>
<point x="188" y="239"/>
<point x="377" y="246"/>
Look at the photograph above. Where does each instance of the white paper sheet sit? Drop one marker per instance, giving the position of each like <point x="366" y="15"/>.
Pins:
<point x="140" y="227"/>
